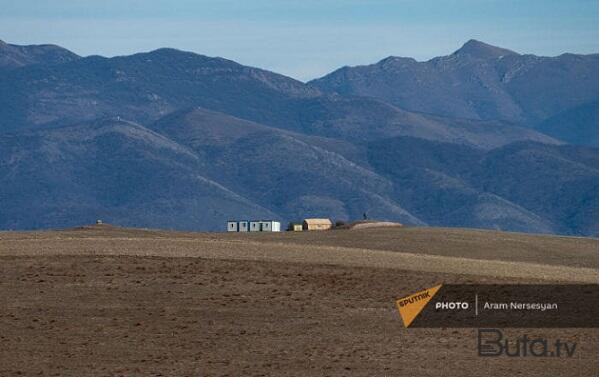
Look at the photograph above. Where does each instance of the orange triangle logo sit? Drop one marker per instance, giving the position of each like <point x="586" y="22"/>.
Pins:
<point x="409" y="307"/>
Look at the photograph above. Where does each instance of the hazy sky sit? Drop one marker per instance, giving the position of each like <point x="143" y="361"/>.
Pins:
<point x="303" y="39"/>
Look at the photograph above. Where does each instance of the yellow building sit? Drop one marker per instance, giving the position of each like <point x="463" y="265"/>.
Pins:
<point x="317" y="224"/>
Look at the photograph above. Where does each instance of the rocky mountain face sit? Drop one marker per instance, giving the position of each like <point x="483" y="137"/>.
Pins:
<point x="172" y="139"/>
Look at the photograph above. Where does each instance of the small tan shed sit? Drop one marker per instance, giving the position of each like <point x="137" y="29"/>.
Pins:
<point x="317" y="224"/>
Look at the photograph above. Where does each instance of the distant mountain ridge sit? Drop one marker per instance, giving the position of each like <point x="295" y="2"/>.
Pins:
<point x="173" y="139"/>
<point x="478" y="81"/>
<point x="142" y="87"/>
<point x="147" y="86"/>
<point x="14" y="56"/>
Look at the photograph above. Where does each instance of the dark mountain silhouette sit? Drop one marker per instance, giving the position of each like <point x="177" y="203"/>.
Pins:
<point x="173" y="139"/>
<point x="477" y="81"/>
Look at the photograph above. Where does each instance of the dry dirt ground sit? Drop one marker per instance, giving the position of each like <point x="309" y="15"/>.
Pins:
<point x="104" y="301"/>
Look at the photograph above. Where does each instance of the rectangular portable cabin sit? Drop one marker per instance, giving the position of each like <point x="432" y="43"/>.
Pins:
<point x="255" y="226"/>
<point x="232" y="226"/>
<point x="270" y="226"/>
<point x="317" y="224"/>
<point x="244" y="226"/>
<point x="296" y="227"/>
<point x="265" y="226"/>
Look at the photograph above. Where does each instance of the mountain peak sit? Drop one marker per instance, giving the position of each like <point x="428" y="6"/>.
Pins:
<point x="481" y="50"/>
<point x="396" y="59"/>
<point x="14" y="56"/>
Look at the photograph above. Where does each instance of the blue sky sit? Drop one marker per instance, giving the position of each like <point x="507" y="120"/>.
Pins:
<point x="303" y="39"/>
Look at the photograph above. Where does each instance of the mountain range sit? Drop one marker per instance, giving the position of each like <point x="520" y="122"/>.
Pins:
<point x="484" y="137"/>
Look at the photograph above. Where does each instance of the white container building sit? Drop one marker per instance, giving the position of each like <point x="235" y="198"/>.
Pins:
<point x="253" y="226"/>
<point x="270" y="226"/>
<point x="232" y="226"/>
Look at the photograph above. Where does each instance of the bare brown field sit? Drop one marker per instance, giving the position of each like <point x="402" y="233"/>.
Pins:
<point x="104" y="301"/>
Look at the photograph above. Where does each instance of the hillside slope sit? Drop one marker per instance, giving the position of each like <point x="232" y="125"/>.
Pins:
<point x="111" y="170"/>
<point x="528" y="187"/>
<point x="578" y="125"/>
<point x="290" y="173"/>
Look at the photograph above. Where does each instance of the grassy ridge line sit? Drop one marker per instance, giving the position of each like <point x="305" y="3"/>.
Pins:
<point x="293" y="253"/>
